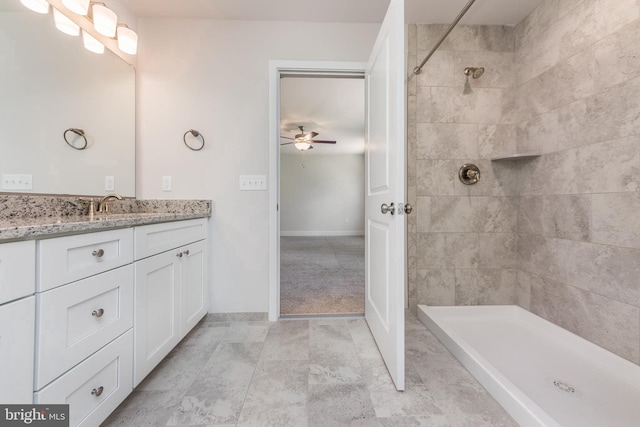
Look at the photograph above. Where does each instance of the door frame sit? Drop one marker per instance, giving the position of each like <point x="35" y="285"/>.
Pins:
<point x="277" y="68"/>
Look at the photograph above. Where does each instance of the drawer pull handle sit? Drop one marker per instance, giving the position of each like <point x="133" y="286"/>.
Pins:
<point x="97" y="391"/>
<point x="186" y="252"/>
<point x="97" y="313"/>
<point x="98" y="253"/>
<point x="179" y="254"/>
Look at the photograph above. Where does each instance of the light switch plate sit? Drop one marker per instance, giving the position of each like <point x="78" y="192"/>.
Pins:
<point x="166" y="183"/>
<point x="109" y="183"/>
<point x="253" y="182"/>
<point x="17" y="182"/>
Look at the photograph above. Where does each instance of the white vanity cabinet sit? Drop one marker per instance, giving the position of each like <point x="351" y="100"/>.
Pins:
<point x="17" y="321"/>
<point x="170" y="288"/>
<point x="84" y="342"/>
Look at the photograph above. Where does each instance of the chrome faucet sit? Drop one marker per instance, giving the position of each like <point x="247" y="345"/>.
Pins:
<point x="103" y="204"/>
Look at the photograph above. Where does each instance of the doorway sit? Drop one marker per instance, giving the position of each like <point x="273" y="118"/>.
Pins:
<point x="321" y="181"/>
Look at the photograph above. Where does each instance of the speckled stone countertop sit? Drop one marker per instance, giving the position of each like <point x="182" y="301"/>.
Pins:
<point x="37" y="217"/>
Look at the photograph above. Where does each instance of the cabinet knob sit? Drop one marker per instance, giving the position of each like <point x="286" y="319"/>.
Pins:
<point x="98" y="253"/>
<point x="186" y="252"/>
<point x="97" y="391"/>
<point x="179" y="254"/>
<point x="97" y="313"/>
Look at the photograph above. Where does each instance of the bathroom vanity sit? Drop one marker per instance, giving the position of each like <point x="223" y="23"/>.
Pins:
<point x="89" y="306"/>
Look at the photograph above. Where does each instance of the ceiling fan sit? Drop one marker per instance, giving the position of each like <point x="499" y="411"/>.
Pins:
<point x="303" y="141"/>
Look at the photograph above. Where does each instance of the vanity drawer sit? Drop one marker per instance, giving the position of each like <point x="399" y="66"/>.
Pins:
<point x="67" y="259"/>
<point x="156" y="238"/>
<point x="76" y="320"/>
<point x="17" y="270"/>
<point x="96" y="387"/>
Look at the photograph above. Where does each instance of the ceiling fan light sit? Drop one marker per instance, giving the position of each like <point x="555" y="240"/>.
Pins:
<point x="127" y="39"/>
<point x="91" y="44"/>
<point x="39" y="6"/>
<point x="81" y="7"/>
<point x="105" y="20"/>
<point x="302" y="145"/>
<point x="65" y="24"/>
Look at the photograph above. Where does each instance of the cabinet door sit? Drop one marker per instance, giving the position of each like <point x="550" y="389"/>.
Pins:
<point x="193" y="285"/>
<point x="157" y="306"/>
<point x="17" y="336"/>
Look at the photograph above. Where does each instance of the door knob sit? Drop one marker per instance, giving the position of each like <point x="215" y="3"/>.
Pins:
<point x="408" y="208"/>
<point x="385" y="209"/>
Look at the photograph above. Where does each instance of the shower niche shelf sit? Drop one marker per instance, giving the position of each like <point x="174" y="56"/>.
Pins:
<point x="517" y="156"/>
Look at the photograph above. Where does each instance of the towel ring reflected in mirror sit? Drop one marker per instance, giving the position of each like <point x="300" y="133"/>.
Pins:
<point x="195" y="134"/>
<point x="78" y="132"/>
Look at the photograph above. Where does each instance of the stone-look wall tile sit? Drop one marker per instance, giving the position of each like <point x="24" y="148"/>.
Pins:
<point x="523" y="289"/>
<point x="616" y="59"/>
<point x="473" y="214"/>
<point x="545" y="52"/>
<point x="497" y="250"/>
<point x="412" y="49"/>
<point x="498" y="68"/>
<point x="496" y="140"/>
<point x="609" y="115"/>
<point x="566" y="6"/>
<point x="615" y="219"/>
<point x="609" y="271"/>
<point x="539" y="134"/>
<point x="423" y="214"/>
<point x="447" y="141"/>
<point x="438" y="71"/>
<point x="454" y="105"/>
<point x="436" y="287"/>
<point x="536" y="96"/>
<point x="537" y="21"/>
<point x="538" y="254"/>
<point x="492" y="38"/>
<point x="447" y="250"/>
<point x="566" y="216"/>
<point x="485" y="287"/>
<point x="496" y="179"/>
<point x="608" y="323"/>
<point x="436" y="177"/>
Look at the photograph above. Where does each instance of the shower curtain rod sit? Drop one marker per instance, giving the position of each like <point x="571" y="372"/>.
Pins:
<point x="418" y="69"/>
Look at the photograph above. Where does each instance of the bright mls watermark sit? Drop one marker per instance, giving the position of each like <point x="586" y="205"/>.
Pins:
<point x="34" y="415"/>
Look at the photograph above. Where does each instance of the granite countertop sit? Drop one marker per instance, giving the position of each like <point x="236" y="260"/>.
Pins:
<point x="24" y="217"/>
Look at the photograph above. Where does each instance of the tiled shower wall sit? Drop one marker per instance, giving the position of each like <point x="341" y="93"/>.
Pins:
<point x="560" y="234"/>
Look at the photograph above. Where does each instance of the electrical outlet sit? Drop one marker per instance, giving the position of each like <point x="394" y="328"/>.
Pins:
<point x="17" y="182"/>
<point x="253" y="182"/>
<point x="166" y="183"/>
<point x="109" y="183"/>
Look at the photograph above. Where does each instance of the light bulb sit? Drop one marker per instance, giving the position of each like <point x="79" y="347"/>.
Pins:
<point x="40" y="6"/>
<point x="127" y="40"/>
<point x="91" y="44"/>
<point x="65" y="24"/>
<point x="81" y="7"/>
<point x="104" y="20"/>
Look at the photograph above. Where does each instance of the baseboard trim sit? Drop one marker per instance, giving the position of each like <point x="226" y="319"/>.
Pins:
<point x="321" y="233"/>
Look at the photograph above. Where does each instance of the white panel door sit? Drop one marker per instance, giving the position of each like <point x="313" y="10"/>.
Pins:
<point x="385" y="184"/>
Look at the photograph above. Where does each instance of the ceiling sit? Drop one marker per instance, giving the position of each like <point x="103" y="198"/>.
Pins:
<point x="333" y="107"/>
<point x="488" y="12"/>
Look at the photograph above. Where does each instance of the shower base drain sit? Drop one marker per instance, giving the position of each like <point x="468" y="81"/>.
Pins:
<point x="564" y="387"/>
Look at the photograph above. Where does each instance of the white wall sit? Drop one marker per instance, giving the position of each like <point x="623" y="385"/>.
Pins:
<point x="213" y="76"/>
<point x="322" y="195"/>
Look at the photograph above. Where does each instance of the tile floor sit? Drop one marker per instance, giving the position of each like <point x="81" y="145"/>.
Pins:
<point x="305" y="372"/>
<point x="320" y="275"/>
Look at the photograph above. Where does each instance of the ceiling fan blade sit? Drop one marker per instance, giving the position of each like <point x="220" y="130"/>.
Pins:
<point x="322" y="142"/>
<point x="312" y="135"/>
<point x="286" y="143"/>
<point x="286" y="137"/>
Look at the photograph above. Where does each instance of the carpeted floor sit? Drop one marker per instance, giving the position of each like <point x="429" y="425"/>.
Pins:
<point x="321" y="275"/>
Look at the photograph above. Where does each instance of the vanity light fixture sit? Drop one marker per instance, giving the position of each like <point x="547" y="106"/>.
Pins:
<point x="105" y="20"/>
<point x="40" y="6"/>
<point x="127" y="39"/>
<point x="65" y="24"/>
<point x="91" y="44"/>
<point x="81" y="7"/>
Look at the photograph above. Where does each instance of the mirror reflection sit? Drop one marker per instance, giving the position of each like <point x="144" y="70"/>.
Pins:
<point x="49" y="84"/>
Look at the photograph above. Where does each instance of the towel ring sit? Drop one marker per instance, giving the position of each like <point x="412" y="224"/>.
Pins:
<point x="78" y="132"/>
<point x="195" y="134"/>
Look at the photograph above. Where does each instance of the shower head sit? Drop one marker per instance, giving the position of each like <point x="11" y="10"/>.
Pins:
<point x="475" y="72"/>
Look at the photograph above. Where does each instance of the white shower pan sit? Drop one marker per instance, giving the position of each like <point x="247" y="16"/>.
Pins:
<point x="541" y="374"/>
